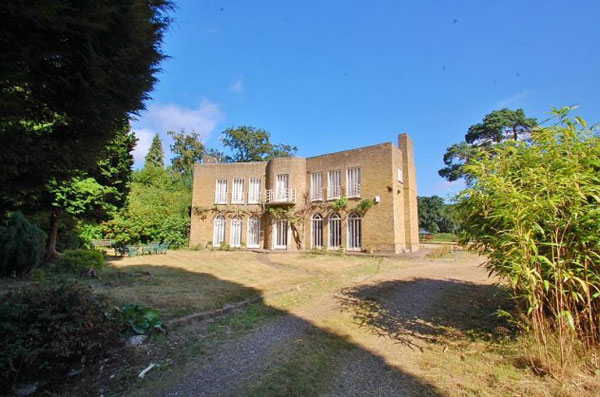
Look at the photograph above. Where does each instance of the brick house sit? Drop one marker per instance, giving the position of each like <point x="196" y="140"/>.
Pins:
<point x="290" y="203"/>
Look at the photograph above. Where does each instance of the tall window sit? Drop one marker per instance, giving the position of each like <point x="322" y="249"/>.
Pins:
<point x="235" y="239"/>
<point x="218" y="230"/>
<point x="335" y="231"/>
<point x="253" y="232"/>
<point x="237" y="191"/>
<point x="280" y="233"/>
<point x="281" y="187"/>
<point x="334" y="184"/>
<point x="353" y="182"/>
<point x="316" y="239"/>
<point x="316" y="187"/>
<point x="354" y="232"/>
<point x="254" y="191"/>
<point x="400" y="178"/>
<point x="221" y="191"/>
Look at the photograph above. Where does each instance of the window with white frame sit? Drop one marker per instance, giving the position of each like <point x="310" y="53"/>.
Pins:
<point x="280" y="234"/>
<point x="353" y="182"/>
<point x="400" y="179"/>
<point x="335" y="231"/>
<point x="235" y="238"/>
<point x="281" y="187"/>
<point x="316" y="187"/>
<point x="237" y="191"/>
<point x="354" y="232"/>
<point x="254" y="191"/>
<point x="334" y="184"/>
<point x="221" y="191"/>
<point x="218" y="230"/>
<point x="253" y="232"/>
<point x="316" y="239"/>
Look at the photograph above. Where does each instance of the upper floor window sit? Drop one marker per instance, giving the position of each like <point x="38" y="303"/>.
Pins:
<point x="281" y="187"/>
<point x="316" y="187"/>
<point x="400" y="179"/>
<point x="221" y="191"/>
<point x="353" y="182"/>
<point x="334" y="184"/>
<point x="237" y="191"/>
<point x="254" y="191"/>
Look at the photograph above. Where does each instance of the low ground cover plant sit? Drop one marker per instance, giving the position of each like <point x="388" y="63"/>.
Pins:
<point x="139" y="319"/>
<point x="47" y="331"/>
<point x="534" y="209"/>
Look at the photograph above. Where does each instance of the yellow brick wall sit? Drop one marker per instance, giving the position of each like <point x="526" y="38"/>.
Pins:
<point x="389" y="226"/>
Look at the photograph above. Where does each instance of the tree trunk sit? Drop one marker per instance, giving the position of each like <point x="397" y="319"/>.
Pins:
<point x="51" y="253"/>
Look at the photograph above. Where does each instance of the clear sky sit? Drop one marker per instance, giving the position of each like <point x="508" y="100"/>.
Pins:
<point x="334" y="75"/>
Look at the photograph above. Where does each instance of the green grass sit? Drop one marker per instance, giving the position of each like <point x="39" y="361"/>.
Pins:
<point x="306" y="369"/>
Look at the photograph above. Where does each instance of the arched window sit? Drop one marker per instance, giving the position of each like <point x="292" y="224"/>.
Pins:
<point x="316" y="238"/>
<point x="253" y="232"/>
<point x="354" y="232"/>
<point x="219" y="230"/>
<point x="235" y="239"/>
<point x="335" y="231"/>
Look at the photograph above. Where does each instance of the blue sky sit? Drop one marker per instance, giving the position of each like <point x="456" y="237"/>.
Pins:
<point x="334" y="75"/>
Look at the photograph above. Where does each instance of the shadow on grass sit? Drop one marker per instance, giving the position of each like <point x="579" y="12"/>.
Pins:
<point x="422" y="309"/>
<point x="255" y="350"/>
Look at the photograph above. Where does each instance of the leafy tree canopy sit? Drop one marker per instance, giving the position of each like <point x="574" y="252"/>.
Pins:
<point x="496" y="127"/>
<point x="156" y="155"/>
<point x="187" y="150"/>
<point x="70" y="73"/>
<point x="254" y="144"/>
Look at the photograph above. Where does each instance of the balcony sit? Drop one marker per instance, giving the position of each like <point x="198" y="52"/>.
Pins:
<point x="334" y="192"/>
<point x="280" y="196"/>
<point x="353" y="190"/>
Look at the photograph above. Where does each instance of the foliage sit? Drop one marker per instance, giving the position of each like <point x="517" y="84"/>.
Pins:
<point x="70" y="74"/>
<point x="496" y="127"/>
<point x="47" y="331"/>
<point x="158" y="210"/>
<point x="254" y="144"/>
<point x="340" y="203"/>
<point x="534" y="210"/>
<point x="21" y="245"/>
<point x="187" y="150"/>
<point x="88" y="231"/>
<point x="80" y="260"/>
<point x="156" y="155"/>
<point x="436" y="216"/>
<point x="139" y="319"/>
<point x="364" y="205"/>
<point x="79" y="196"/>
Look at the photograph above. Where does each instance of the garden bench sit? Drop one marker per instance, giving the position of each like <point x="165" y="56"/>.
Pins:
<point x="102" y="243"/>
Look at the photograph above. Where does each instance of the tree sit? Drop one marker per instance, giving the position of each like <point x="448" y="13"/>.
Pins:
<point x="254" y="144"/>
<point x="496" y="127"/>
<point x="533" y="212"/>
<point x="187" y="150"/>
<point x="156" y="155"/>
<point x="70" y="73"/>
<point x="430" y="212"/>
<point x="96" y="195"/>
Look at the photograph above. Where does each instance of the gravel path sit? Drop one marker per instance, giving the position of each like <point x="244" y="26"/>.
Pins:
<point x="398" y="317"/>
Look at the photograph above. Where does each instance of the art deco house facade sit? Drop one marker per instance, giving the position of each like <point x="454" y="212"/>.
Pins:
<point x="294" y="203"/>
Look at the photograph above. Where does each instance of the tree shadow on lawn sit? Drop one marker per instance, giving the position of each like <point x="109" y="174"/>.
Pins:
<point x="253" y="350"/>
<point x="424" y="309"/>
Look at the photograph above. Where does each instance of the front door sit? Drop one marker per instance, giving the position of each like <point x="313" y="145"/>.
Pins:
<point x="280" y="234"/>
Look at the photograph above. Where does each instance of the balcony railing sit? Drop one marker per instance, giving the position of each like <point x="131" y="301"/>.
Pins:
<point x="237" y="198"/>
<point x="334" y="192"/>
<point x="353" y="190"/>
<point x="280" y="196"/>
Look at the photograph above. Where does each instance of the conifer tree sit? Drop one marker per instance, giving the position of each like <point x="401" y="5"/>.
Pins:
<point x="156" y="155"/>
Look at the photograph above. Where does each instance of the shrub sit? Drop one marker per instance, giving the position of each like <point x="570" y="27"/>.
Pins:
<point x="340" y="203"/>
<point x="21" y="245"/>
<point x="47" y="331"/>
<point x="139" y="319"/>
<point x="365" y="204"/>
<point x="80" y="260"/>
<point x="534" y="210"/>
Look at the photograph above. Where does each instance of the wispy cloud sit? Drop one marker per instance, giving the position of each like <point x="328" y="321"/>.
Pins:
<point x="160" y="118"/>
<point x="446" y="189"/>
<point x="237" y="87"/>
<point x="515" y="99"/>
